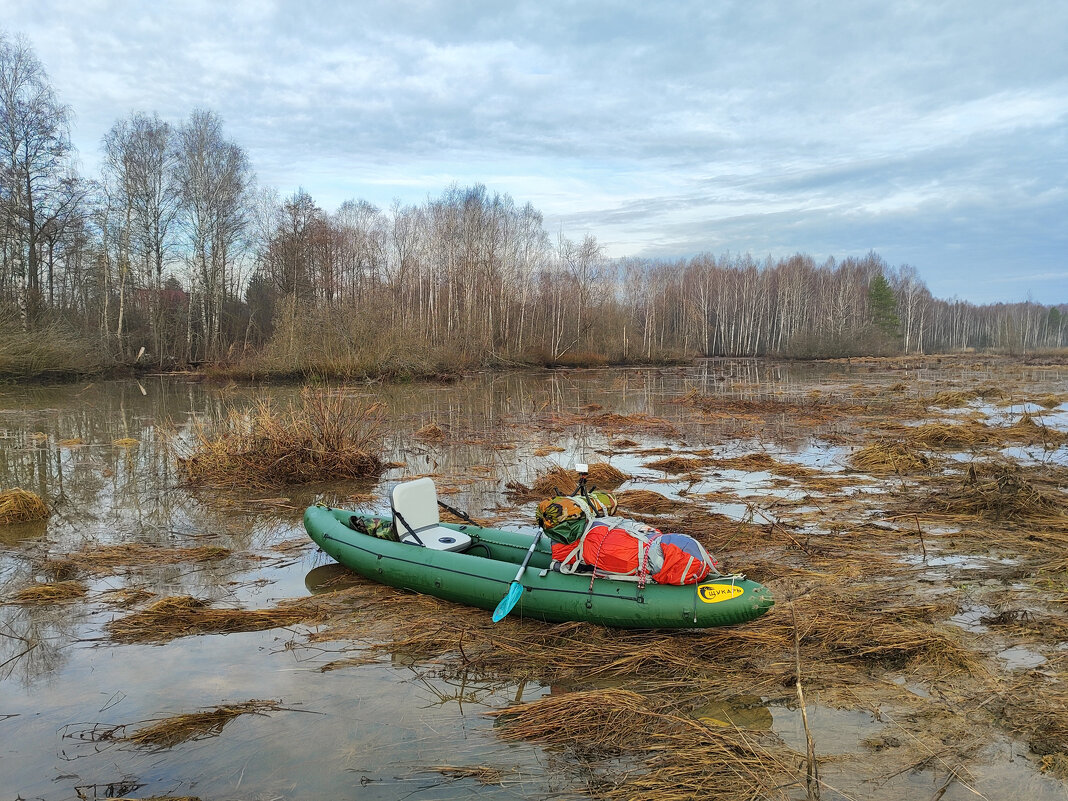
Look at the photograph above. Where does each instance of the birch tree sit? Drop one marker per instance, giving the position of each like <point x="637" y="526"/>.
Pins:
<point x="34" y="150"/>
<point x="214" y="180"/>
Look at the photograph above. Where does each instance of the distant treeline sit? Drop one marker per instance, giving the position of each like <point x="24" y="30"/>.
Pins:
<point x="173" y="256"/>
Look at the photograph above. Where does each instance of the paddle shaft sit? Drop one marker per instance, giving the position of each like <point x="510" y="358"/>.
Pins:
<point x="530" y="553"/>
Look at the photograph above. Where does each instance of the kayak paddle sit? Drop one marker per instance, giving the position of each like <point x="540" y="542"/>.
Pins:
<point x="509" y="601"/>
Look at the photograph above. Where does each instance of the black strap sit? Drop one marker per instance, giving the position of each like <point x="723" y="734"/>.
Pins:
<point x="459" y="514"/>
<point x="404" y="523"/>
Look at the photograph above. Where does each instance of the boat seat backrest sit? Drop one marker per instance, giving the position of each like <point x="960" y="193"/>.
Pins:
<point x="417" y="502"/>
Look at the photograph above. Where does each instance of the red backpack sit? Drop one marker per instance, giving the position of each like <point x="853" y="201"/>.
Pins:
<point x="616" y="547"/>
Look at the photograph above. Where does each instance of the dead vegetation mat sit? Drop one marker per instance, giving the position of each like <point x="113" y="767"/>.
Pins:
<point x="1001" y="491"/>
<point x="677" y="757"/>
<point x="655" y="679"/>
<point x="184" y="616"/>
<point x="889" y="456"/>
<point x="101" y="559"/>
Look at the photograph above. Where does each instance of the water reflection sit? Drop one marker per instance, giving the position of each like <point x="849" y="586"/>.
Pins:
<point x="331" y="578"/>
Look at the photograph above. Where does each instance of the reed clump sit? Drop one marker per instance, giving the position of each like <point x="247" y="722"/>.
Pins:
<point x="679" y="464"/>
<point x="50" y="593"/>
<point x="325" y="436"/>
<point x="608" y="721"/>
<point x="21" y="506"/>
<point x="125" y="597"/>
<point x="561" y="481"/>
<point x="431" y="432"/>
<point x="52" y="351"/>
<point x="648" y="502"/>
<point x="615" y="423"/>
<point x="999" y="491"/>
<point x="184" y="616"/>
<point x="1050" y="401"/>
<point x="949" y="435"/>
<point x="765" y="462"/>
<point x="1031" y="430"/>
<point x="889" y="456"/>
<point x="193" y="726"/>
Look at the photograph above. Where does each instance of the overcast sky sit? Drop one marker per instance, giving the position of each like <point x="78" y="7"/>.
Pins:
<point x="933" y="133"/>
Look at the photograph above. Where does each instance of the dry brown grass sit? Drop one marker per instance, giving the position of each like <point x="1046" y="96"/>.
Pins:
<point x="431" y="432"/>
<point x="20" y="506"/>
<point x="999" y="491"/>
<point x="1029" y="429"/>
<point x="766" y="462"/>
<point x="677" y="757"/>
<point x="52" y="593"/>
<point x="104" y="558"/>
<point x="561" y="481"/>
<point x="679" y="464"/>
<point x="949" y="435"/>
<point x="889" y="456"/>
<point x="648" y="502"/>
<point x="125" y="597"/>
<point x="1049" y="401"/>
<point x="327" y="436"/>
<point x="604" y="720"/>
<point x="614" y="423"/>
<point x="184" y="616"/>
<point x="192" y="726"/>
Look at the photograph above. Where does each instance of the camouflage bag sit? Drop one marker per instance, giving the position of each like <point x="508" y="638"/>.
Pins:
<point x="564" y="517"/>
<point x="374" y="527"/>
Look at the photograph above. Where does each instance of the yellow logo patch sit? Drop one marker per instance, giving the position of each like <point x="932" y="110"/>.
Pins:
<point x="714" y="593"/>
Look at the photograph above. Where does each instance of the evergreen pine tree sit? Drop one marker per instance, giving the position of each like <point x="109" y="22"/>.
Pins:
<point x="882" y="305"/>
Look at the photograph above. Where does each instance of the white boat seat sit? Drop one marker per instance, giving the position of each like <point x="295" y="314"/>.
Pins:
<point x="439" y="538"/>
<point x="417" y="502"/>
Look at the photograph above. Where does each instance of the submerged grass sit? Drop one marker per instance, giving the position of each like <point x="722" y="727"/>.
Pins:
<point x="326" y="436"/>
<point x="672" y="757"/>
<point x="104" y="558"/>
<point x="184" y="616"/>
<point x="21" y="506"/>
<point x="192" y="726"/>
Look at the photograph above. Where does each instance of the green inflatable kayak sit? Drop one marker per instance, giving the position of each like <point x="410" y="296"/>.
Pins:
<point x="476" y="566"/>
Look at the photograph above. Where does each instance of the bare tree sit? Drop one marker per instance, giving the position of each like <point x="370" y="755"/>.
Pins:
<point x="214" y="179"/>
<point x="34" y="147"/>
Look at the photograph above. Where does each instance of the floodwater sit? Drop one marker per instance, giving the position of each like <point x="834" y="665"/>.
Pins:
<point x="98" y="453"/>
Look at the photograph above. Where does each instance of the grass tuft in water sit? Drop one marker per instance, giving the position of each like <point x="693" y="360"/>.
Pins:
<point x="326" y="436"/>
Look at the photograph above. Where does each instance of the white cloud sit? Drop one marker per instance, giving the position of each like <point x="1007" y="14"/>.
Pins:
<point x="932" y="132"/>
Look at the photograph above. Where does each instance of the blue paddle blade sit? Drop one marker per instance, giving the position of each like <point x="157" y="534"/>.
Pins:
<point x="508" y="602"/>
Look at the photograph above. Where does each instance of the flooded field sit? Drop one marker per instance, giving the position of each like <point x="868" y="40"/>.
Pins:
<point x="909" y="516"/>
